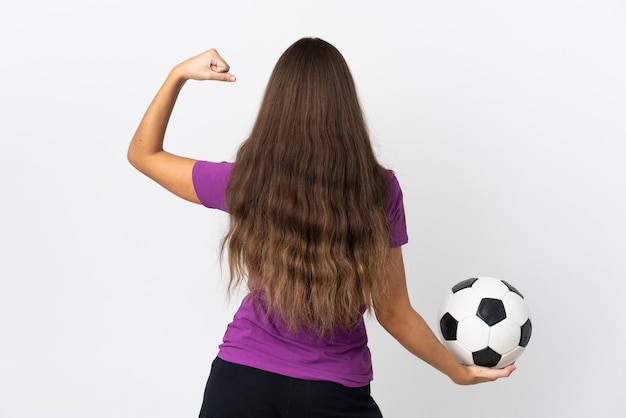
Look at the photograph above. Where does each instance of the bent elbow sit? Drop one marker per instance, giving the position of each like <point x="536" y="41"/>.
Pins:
<point x="393" y="316"/>
<point x="385" y="317"/>
<point x="130" y="154"/>
<point x="133" y="157"/>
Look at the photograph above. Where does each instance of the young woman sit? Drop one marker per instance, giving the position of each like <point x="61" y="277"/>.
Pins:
<point x="316" y="229"/>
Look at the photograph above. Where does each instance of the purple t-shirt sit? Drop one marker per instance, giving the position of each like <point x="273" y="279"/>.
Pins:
<point x="256" y="340"/>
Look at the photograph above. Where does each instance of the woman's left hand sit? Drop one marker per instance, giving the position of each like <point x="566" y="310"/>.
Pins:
<point x="208" y="65"/>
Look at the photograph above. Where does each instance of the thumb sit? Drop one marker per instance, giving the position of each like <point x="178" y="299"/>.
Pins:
<point x="224" y="77"/>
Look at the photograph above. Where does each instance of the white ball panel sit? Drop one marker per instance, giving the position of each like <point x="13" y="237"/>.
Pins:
<point x="463" y="304"/>
<point x="516" y="308"/>
<point x="473" y="333"/>
<point x="510" y="357"/>
<point x="489" y="287"/>
<point x="504" y="336"/>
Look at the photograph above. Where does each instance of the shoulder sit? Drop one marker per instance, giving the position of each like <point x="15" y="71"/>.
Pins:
<point x="211" y="174"/>
<point x="396" y="219"/>
<point x="394" y="191"/>
<point x="212" y="167"/>
<point x="210" y="180"/>
<point x="392" y="180"/>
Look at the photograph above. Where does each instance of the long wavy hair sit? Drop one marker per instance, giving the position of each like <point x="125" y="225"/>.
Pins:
<point x="307" y="197"/>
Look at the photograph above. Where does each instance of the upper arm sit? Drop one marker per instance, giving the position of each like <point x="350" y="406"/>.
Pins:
<point x="171" y="171"/>
<point x="395" y="303"/>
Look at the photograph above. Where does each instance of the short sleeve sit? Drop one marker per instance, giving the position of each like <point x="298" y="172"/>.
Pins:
<point x="210" y="181"/>
<point x="396" y="221"/>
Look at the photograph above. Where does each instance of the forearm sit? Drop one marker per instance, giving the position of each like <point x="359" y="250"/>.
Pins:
<point x="414" y="334"/>
<point x="410" y="330"/>
<point x="149" y="136"/>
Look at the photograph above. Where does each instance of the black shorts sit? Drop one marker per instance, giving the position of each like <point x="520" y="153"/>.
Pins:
<point x="236" y="391"/>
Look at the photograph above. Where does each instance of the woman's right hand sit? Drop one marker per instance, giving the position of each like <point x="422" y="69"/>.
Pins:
<point x="478" y="374"/>
<point x="208" y="65"/>
<point x="395" y="313"/>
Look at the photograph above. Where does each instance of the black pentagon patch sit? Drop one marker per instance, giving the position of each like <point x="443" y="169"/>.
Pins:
<point x="513" y="289"/>
<point x="491" y="311"/>
<point x="486" y="357"/>
<point x="464" y="284"/>
<point x="527" y="329"/>
<point x="448" y="327"/>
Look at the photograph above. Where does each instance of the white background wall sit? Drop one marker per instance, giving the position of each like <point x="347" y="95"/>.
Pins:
<point x="505" y="123"/>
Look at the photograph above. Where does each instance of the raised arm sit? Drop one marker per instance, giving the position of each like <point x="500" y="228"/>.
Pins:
<point x="395" y="313"/>
<point x="146" y="152"/>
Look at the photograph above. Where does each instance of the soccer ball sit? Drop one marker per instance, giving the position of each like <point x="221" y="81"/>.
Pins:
<point x="485" y="321"/>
